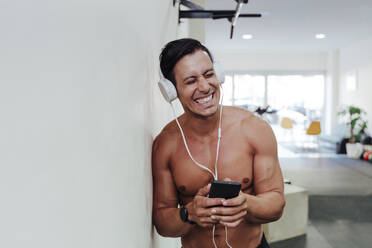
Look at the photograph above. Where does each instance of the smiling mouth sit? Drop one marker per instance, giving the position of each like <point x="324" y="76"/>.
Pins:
<point x="205" y="99"/>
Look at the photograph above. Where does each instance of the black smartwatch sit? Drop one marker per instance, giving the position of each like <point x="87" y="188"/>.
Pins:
<point x="184" y="214"/>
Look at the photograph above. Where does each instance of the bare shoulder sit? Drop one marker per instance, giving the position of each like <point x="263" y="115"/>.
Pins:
<point x="165" y="144"/>
<point x="241" y="117"/>
<point x="257" y="131"/>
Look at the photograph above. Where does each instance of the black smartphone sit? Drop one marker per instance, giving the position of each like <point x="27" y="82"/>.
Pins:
<point x="224" y="189"/>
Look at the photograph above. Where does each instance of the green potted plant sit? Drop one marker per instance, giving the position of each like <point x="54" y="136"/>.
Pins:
<point x="354" y="118"/>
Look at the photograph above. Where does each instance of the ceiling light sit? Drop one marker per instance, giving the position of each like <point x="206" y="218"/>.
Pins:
<point x="320" y="36"/>
<point x="247" y="36"/>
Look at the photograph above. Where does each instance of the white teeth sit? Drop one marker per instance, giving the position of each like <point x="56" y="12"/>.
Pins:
<point x="204" y="100"/>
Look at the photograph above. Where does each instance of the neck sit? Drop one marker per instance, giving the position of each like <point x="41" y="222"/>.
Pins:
<point x="203" y="126"/>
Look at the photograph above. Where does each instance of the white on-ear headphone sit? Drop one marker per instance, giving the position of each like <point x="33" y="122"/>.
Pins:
<point x="168" y="90"/>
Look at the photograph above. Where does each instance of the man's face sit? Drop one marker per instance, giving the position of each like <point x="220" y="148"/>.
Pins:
<point x="197" y="85"/>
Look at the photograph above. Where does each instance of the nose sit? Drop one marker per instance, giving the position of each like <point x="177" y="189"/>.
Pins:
<point x="203" y="85"/>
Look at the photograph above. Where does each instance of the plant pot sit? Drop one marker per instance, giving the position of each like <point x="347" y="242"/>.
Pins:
<point x="354" y="150"/>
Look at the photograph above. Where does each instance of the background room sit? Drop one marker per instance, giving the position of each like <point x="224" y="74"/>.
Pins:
<point x="297" y="67"/>
<point x="80" y="108"/>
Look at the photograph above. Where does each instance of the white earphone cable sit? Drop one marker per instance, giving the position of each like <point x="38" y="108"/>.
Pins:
<point x="227" y="243"/>
<point x="187" y="148"/>
<point x="218" y="145"/>
<point x="215" y="175"/>
<point x="219" y="133"/>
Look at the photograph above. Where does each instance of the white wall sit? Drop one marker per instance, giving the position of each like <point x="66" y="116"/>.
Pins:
<point x="79" y="107"/>
<point x="332" y="91"/>
<point x="357" y="58"/>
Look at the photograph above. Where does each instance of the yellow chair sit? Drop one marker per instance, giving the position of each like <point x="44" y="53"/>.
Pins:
<point x="314" y="128"/>
<point x="286" y="123"/>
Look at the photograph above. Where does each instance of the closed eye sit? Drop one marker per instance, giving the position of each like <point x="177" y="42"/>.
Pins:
<point x="190" y="81"/>
<point x="208" y="75"/>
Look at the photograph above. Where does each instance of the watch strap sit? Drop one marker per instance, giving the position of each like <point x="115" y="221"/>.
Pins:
<point x="184" y="214"/>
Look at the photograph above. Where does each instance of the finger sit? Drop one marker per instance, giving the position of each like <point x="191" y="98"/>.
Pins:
<point x="204" y="191"/>
<point x="202" y="212"/>
<point x="236" y="201"/>
<point x="233" y="224"/>
<point x="208" y="220"/>
<point x="212" y="202"/>
<point x="230" y="218"/>
<point x="203" y="205"/>
<point x="227" y="211"/>
<point x="227" y="179"/>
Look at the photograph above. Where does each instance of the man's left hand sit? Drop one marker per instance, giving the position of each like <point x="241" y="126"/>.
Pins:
<point x="233" y="211"/>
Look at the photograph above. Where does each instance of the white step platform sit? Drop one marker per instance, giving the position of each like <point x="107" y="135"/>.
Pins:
<point x="294" y="220"/>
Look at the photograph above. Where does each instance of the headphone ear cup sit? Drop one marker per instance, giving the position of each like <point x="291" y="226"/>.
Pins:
<point x="167" y="89"/>
<point x="220" y="73"/>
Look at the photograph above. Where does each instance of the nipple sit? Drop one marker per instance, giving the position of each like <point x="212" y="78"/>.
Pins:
<point x="246" y="180"/>
<point x="182" y="188"/>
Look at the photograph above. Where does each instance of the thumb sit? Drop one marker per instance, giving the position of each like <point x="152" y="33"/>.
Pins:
<point x="227" y="179"/>
<point x="204" y="191"/>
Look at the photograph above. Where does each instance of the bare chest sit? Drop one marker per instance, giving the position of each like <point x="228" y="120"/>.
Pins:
<point x="235" y="162"/>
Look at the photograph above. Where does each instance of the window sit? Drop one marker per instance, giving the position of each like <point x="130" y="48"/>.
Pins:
<point x="299" y="93"/>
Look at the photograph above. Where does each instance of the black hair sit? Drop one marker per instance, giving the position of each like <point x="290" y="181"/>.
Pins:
<point x="176" y="50"/>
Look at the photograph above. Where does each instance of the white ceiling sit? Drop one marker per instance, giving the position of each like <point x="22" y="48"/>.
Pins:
<point x="290" y="25"/>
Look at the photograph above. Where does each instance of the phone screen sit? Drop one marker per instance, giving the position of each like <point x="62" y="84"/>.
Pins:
<point x="224" y="189"/>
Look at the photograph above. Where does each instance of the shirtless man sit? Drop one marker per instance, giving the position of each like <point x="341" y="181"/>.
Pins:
<point x="248" y="154"/>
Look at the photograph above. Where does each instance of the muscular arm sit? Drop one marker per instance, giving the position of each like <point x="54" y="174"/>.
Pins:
<point x="165" y="201"/>
<point x="268" y="203"/>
